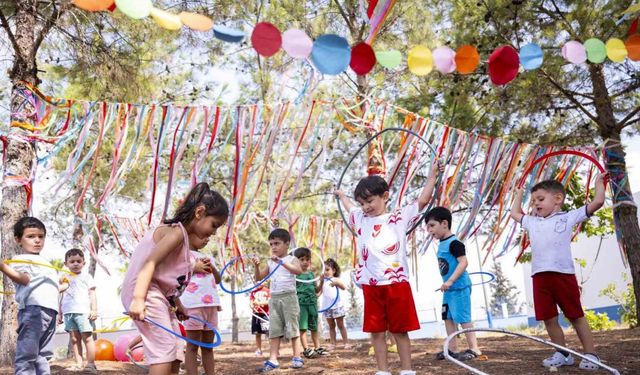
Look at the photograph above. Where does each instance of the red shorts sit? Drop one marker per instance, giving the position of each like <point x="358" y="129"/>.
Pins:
<point x="553" y="289"/>
<point x="389" y="307"/>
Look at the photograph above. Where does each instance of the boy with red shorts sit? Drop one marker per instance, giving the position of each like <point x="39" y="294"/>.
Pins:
<point x="554" y="282"/>
<point x="382" y="267"/>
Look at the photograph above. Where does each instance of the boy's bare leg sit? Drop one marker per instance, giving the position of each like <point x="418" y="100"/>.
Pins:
<point x="259" y="342"/>
<point x="472" y="341"/>
<point x="303" y="339"/>
<point x="451" y="327"/>
<point x="87" y="338"/>
<point x="380" y="346"/>
<point x="76" y="343"/>
<point x="274" y="349"/>
<point x="208" y="360"/>
<point x="296" y="346"/>
<point x="315" y="336"/>
<point x="555" y="331"/>
<point x="584" y="334"/>
<point x="404" y="349"/>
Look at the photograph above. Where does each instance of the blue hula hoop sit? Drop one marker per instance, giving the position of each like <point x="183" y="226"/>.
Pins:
<point x="334" y="301"/>
<point x="212" y="345"/>
<point x="248" y="289"/>
<point x="491" y="278"/>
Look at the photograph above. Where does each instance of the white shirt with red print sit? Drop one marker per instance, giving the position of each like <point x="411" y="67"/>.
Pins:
<point x="382" y="245"/>
<point x="202" y="290"/>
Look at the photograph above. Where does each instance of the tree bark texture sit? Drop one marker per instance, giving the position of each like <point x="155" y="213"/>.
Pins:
<point x="625" y="212"/>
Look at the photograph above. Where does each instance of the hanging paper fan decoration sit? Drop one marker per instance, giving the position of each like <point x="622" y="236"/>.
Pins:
<point x="467" y="59"/>
<point x="420" y="60"/>
<point x="389" y="59"/>
<point x="444" y="59"/>
<point x="616" y="50"/>
<point x="503" y="65"/>
<point x="196" y="21"/>
<point x="633" y="47"/>
<point x="363" y="59"/>
<point x="297" y="44"/>
<point x="266" y="39"/>
<point x="228" y="34"/>
<point x="136" y="9"/>
<point x="574" y="52"/>
<point x="165" y="19"/>
<point x="93" y="5"/>
<point x="331" y="54"/>
<point x="531" y="56"/>
<point x="596" y="50"/>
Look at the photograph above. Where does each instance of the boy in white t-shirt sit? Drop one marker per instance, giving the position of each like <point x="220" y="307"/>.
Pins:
<point x="382" y="268"/>
<point x="79" y="308"/>
<point x="284" y="310"/>
<point x="554" y="282"/>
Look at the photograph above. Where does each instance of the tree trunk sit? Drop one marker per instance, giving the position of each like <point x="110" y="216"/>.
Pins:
<point x="18" y="161"/>
<point x="625" y="212"/>
<point x="234" y="313"/>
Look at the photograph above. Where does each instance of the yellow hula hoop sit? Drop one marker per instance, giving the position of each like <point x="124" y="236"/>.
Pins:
<point x="20" y="261"/>
<point x="114" y="326"/>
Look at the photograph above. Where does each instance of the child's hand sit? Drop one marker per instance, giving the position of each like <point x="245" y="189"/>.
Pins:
<point x="339" y="193"/>
<point x="446" y="285"/>
<point x="180" y="313"/>
<point x="255" y="259"/>
<point x="202" y="266"/>
<point x="63" y="280"/>
<point x="602" y="178"/>
<point x="93" y="315"/>
<point x="436" y="167"/>
<point x="136" y="309"/>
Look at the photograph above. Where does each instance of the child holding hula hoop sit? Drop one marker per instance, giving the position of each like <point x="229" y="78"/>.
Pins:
<point x="160" y="269"/>
<point x="456" y="286"/>
<point x="284" y="310"/>
<point x="383" y="268"/>
<point x="335" y="314"/>
<point x="554" y="282"/>
<point x="307" y="290"/>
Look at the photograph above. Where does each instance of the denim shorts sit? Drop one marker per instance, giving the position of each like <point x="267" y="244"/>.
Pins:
<point x="78" y="322"/>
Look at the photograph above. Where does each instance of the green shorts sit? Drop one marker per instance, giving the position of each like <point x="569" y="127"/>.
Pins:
<point x="283" y="315"/>
<point x="309" y="318"/>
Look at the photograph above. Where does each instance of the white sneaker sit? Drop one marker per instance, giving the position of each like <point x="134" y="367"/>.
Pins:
<point x="558" y="359"/>
<point x="586" y="365"/>
<point x="407" y="372"/>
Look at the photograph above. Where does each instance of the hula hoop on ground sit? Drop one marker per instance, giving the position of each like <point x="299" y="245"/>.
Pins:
<point x="556" y="153"/>
<point x="207" y="345"/>
<point x="248" y="289"/>
<point x="499" y="330"/>
<point x="317" y="278"/>
<point x="335" y="300"/>
<point x="344" y="171"/>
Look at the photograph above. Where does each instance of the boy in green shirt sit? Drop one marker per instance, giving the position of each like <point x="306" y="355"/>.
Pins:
<point x="307" y="290"/>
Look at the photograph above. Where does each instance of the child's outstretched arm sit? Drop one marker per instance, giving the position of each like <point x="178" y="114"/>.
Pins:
<point x="216" y="274"/>
<point x="167" y="244"/>
<point x="319" y="286"/>
<point x="516" y="206"/>
<point x="258" y="273"/>
<point x="18" y="277"/>
<point x="337" y="282"/>
<point x="346" y="202"/>
<point x="462" y="265"/>
<point x="598" y="200"/>
<point x="427" y="191"/>
<point x="293" y="266"/>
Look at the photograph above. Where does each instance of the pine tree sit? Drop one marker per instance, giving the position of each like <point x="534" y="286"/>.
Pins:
<point x="503" y="291"/>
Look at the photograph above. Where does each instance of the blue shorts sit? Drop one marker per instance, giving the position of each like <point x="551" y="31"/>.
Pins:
<point x="78" y="322"/>
<point x="456" y="306"/>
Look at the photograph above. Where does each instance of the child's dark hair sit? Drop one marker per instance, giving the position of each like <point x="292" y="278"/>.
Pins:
<point x="552" y="186"/>
<point x="73" y="252"/>
<point x="280" y="234"/>
<point x="27" y="222"/>
<point x="302" y="252"/>
<point x="370" y="186"/>
<point x="330" y="262"/>
<point x="439" y="214"/>
<point x="201" y="194"/>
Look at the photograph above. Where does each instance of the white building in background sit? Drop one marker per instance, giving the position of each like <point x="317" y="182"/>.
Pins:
<point x="602" y="268"/>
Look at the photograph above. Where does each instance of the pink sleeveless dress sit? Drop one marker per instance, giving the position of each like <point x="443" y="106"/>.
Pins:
<point x="169" y="279"/>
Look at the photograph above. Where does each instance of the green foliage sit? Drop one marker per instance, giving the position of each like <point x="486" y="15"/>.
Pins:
<point x="626" y="299"/>
<point x="503" y="291"/>
<point x="598" y="321"/>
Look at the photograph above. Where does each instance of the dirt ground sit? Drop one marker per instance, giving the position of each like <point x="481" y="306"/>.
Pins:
<point x="506" y="355"/>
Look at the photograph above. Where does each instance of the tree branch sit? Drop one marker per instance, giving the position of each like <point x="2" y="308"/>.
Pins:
<point x="12" y="38"/>
<point x="570" y="96"/>
<point x="345" y="17"/>
<point x="624" y="122"/>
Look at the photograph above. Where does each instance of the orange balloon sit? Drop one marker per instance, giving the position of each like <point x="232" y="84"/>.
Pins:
<point x="467" y="59"/>
<point x="196" y="21"/>
<point x="93" y="5"/>
<point x="104" y="350"/>
<point x="633" y="47"/>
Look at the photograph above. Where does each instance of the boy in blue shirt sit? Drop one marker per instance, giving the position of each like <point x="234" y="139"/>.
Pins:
<point x="456" y="286"/>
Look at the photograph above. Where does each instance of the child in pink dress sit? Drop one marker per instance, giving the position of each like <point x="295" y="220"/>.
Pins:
<point x="160" y="269"/>
<point x="201" y="300"/>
